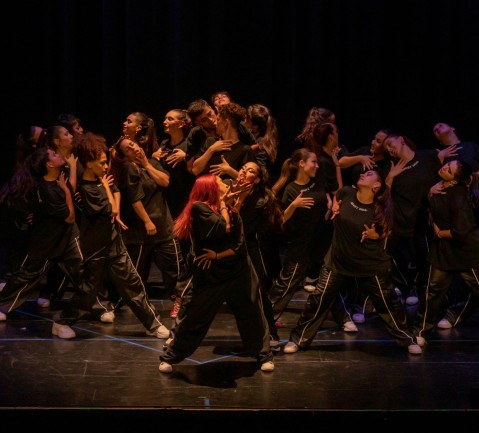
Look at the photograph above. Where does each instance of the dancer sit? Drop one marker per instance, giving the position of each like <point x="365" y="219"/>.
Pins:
<point x="222" y="272"/>
<point x="362" y="223"/>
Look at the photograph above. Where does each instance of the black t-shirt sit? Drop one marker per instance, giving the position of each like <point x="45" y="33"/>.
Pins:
<point x="327" y="170"/>
<point x="97" y="230"/>
<point x="181" y="180"/>
<point x="467" y="151"/>
<point x="137" y="184"/>
<point x="453" y="210"/>
<point x="209" y="231"/>
<point x="409" y="191"/>
<point x="50" y="234"/>
<point x="347" y="254"/>
<point x="196" y="138"/>
<point x="239" y="155"/>
<point x="302" y="230"/>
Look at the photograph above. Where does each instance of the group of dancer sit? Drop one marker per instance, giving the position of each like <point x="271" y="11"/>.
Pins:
<point x="387" y="224"/>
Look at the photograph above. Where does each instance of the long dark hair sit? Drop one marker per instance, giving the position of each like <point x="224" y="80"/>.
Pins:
<point x="383" y="208"/>
<point x="17" y="192"/>
<point x="268" y="131"/>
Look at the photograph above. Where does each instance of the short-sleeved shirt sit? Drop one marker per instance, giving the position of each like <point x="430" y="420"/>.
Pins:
<point x="347" y="254"/>
<point x="137" y="185"/>
<point x="302" y="230"/>
<point x="409" y="191"/>
<point x="239" y="155"/>
<point x="97" y="231"/>
<point x="50" y="233"/>
<point x="181" y="180"/>
<point x="453" y="211"/>
<point x="209" y="231"/>
<point x="467" y="151"/>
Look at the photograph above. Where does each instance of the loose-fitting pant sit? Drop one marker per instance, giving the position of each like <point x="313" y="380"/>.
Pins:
<point x="378" y="287"/>
<point x="431" y="309"/>
<point x="114" y="263"/>
<point x="241" y="294"/>
<point x="32" y="270"/>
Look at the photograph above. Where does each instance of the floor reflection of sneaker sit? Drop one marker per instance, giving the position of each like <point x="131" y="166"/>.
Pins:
<point x="63" y="331"/>
<point x="350" y="326"/>
<point x="107" y="317"/>
<point x="309" y="288"/>
<point x="43" y="302"/>
<point x="165" y="367"/>
<point x="176" y="307"/>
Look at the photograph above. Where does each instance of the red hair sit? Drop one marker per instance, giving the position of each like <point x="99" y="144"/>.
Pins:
<point x="205" y="190"/>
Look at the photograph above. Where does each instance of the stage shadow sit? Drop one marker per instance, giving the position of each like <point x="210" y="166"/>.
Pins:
<point x="215" y="374"/>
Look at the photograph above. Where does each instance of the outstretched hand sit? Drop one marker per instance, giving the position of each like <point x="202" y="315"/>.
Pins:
<point x="236" y="194"/>
<point x="397" y="168"/>
<point x="222" y="168"/>
<point x="447" y="152"/>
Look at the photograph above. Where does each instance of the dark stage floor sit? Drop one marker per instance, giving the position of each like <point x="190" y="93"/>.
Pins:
<point x="109" y="373"/>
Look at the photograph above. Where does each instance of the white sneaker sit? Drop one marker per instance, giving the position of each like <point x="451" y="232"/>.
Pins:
<point x="414" y="349"/>
<point x="350" y="326"/>
<point x="309" y="288"/>
<point x="63" y="331"/>
<point x="412" y="300"/>
<point x="160" y="332"/>
<point x="291" y="347"/>
<point x="43" y="302"/>
<point x="421" y="341"/>
<point x="359" y="318"/>
<point x="108" y="317"/>
<point x="165" y="367"/>
<point x="267" y="366"/>
<point x="444" y="324"/>
<point x="3" y="317"/>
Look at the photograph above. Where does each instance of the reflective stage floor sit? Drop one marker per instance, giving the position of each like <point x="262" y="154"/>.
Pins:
<point x="109" y="374"/>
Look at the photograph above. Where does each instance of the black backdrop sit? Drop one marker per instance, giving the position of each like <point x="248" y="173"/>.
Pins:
<point x="399" y="64"/>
